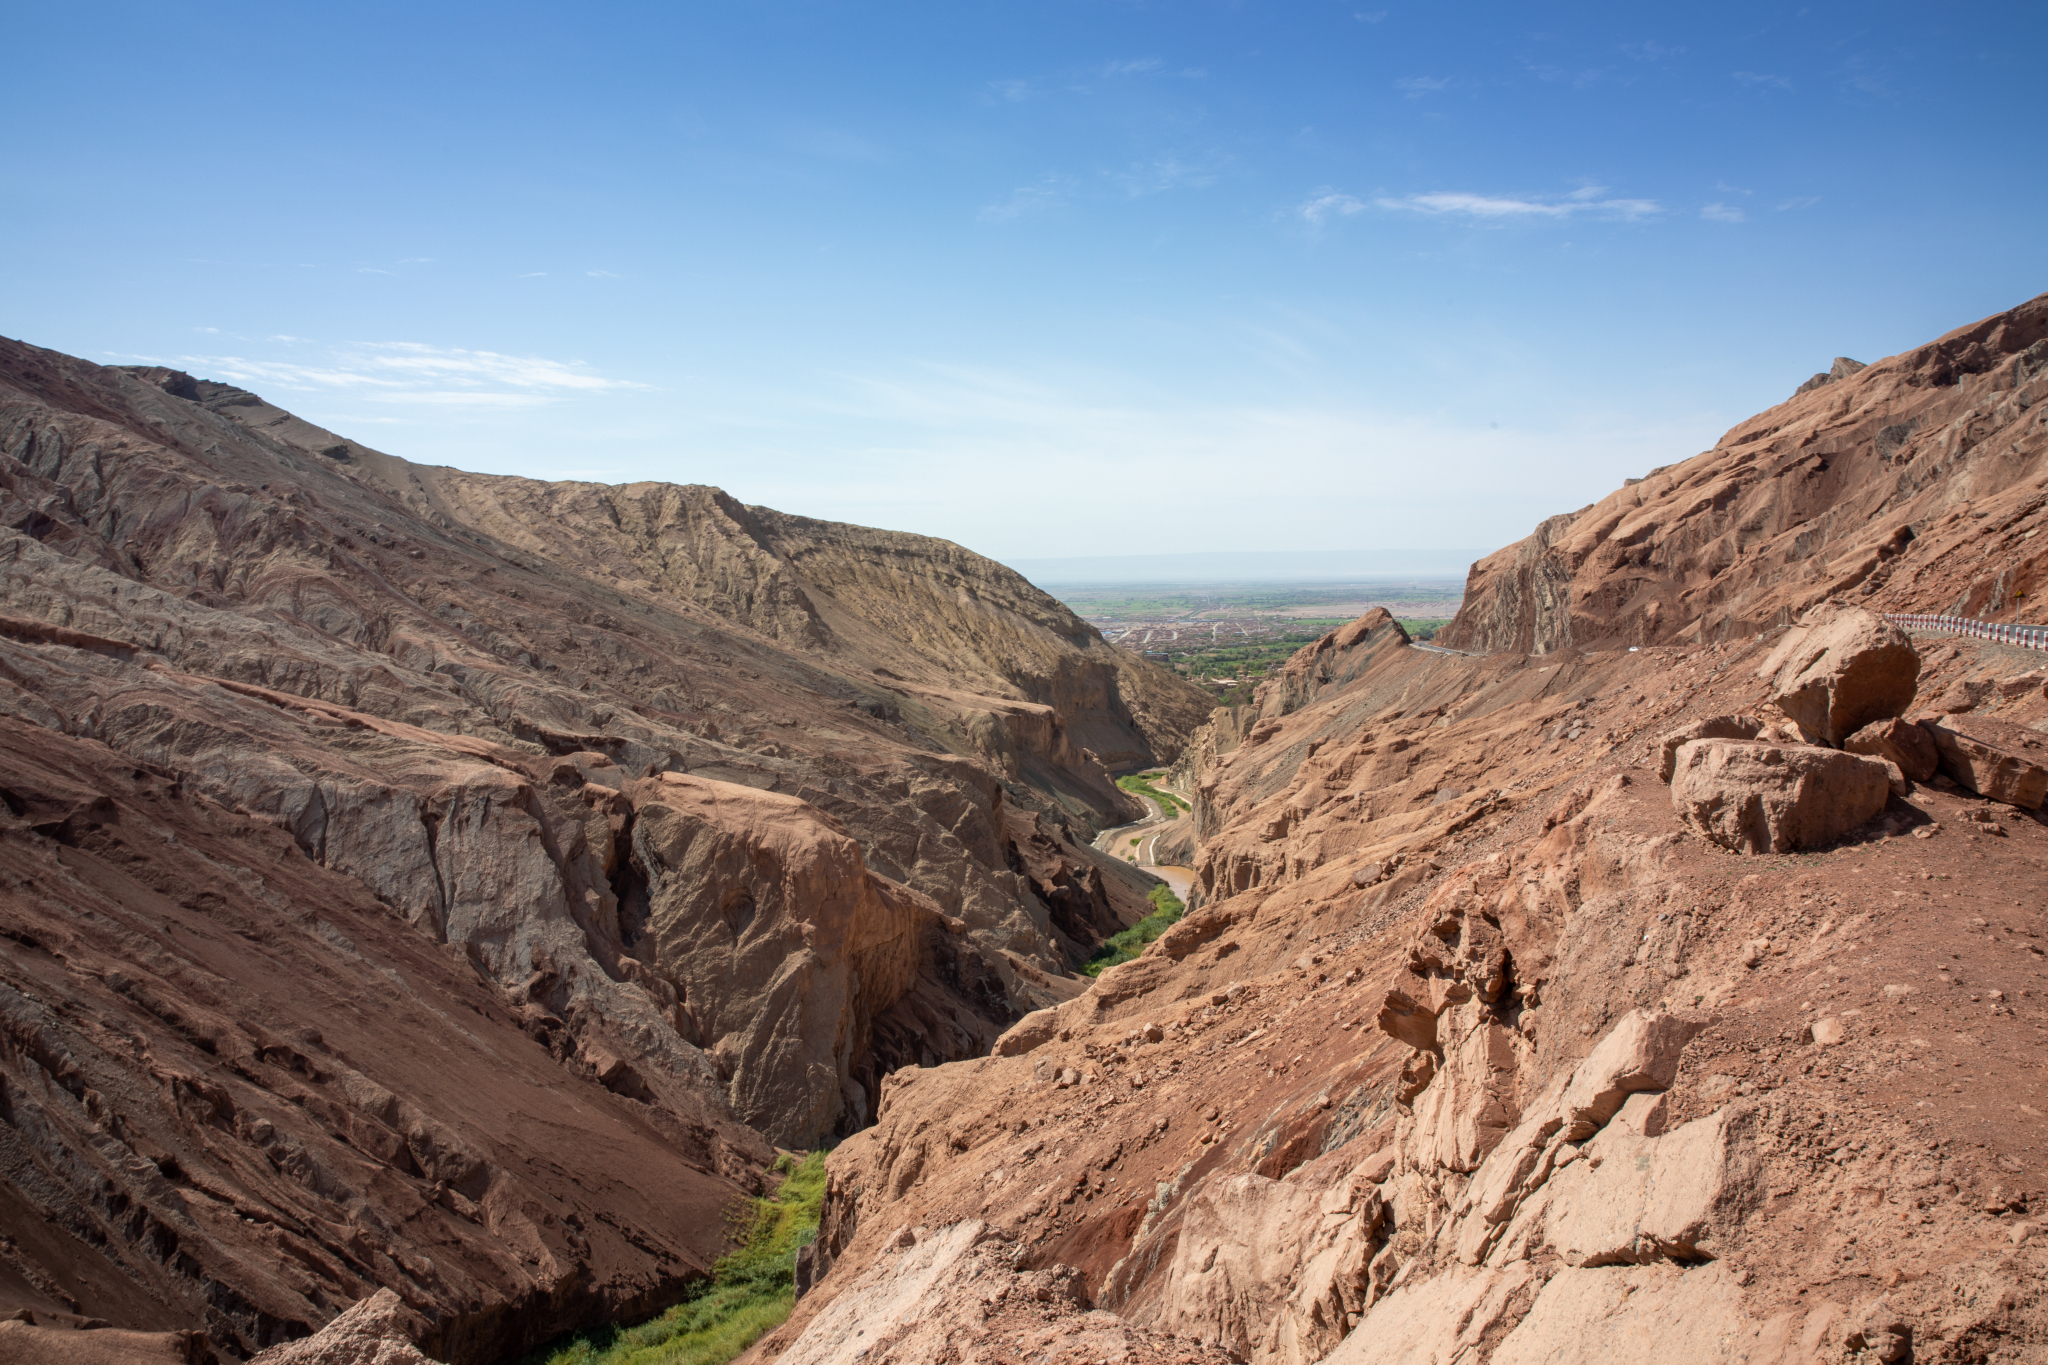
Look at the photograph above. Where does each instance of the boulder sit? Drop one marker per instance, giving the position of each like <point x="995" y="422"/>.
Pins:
<point x="1840" y="670"/>
<point x="1906" y="744"/>
<point x="377" y="1331"/>
<point x="1677" y="1196"/>
<point x="1761" y="798"/>
<point x="1033" y="1031"/>
<point x="1714" y="727"/>
<point x="1998" y="761"/>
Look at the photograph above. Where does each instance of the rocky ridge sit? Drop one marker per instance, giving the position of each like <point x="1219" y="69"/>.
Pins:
<point x="1914" y="480"/>
<point x="346" y="797"/>
<point x="1479" y="1045"/>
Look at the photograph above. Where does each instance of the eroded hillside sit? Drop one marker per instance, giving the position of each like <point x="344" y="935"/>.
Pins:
<point x="693" y="818"/>
<point x="1567" y="1002"/>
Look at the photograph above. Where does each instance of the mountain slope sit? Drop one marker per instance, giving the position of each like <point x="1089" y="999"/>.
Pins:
<point x="727" y="813"/>
<point x="1882" y="483"/>
<point x="1473" y="1048"/>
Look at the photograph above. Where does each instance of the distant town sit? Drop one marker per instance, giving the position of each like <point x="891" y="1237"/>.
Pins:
<point x="1228" y="637"/>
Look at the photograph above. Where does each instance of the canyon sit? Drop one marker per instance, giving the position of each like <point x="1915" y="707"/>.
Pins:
<point x="440" y="894"/>
<point x="405" y="867"/>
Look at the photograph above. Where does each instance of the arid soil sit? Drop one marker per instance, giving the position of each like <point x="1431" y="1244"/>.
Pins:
<point x="426" y="881"/>
<point x="1477" y="1047"/>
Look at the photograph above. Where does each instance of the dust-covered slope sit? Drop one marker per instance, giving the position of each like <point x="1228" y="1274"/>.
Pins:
<point x="1478" y="1046"/>
<point x="1909" y="480"/>
<point x="723" y="848"/>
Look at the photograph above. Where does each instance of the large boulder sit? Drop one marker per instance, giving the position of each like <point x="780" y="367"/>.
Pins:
<point x="377" y="1331"/>
<point x="1767" y="798"/>
<point x="1713" y="727"/>
<point x="1841" y="669"/>
<point x="1904" y="743"/>
<point x="1997" y="760"/>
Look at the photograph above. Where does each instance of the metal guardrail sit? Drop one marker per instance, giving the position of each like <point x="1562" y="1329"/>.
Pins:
<point x="2026" y="637"/>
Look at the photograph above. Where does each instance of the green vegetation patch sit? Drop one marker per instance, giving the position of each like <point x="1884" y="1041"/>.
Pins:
<point x="1140" y="784"/>
<point x="750" y="1293"/>
<point x="1166" y="909"/>
<point x="1424" y="627"/>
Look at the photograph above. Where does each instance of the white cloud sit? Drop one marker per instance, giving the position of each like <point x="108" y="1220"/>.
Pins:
<point x="410" y="372"/>
<point x="1136" y="66"/>
<point x="1723" y="213"/>
<point x="532" y="275"/>
<point x="1756" y="79"/>
<point x="1500" y="208"/>
<point x="1415" y="87"/>
<point x="601" y="275"/>
<point x="474" y="398"/>
<point x="1804" y="201"/>
<point x="1016" y="92"/>
<point x="1326" y="203"/>
<point x="1369" y="16"/>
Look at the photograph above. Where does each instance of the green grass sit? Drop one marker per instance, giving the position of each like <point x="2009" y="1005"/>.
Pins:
<point x="751" y="1290"/>
<point x="1424" y="627"/>
<point x="1141" y="785"/>
<point x="1166" y="909"/>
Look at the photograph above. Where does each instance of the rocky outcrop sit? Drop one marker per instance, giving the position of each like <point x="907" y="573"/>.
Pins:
<point x="1839" y="670"/>
<point x="1910" y="747"/>
<point x="1883" y="487"/>
<point x="1711" y="727"/>
<point x="956" y="1294"/>
<point x="1766" y="798"/>
<point x="1998" y="761"/>
<point x="374" y="1332"/>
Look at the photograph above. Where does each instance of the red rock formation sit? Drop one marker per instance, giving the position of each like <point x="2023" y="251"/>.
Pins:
<point x="461" y="709"/>
<point x="1472" y="1048"/>
<point x="1909" y="480"/>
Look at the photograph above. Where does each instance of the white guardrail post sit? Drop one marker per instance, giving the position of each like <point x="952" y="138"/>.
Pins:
<point x="2026" y="637"/>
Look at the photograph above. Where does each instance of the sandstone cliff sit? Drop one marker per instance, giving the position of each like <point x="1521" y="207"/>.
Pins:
<point x="1479" y="1044"/>
<point x="720" y="814"/>
<point x="1911" y="480"/>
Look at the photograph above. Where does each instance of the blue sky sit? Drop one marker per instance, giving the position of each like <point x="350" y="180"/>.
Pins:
<point x="1046" y="279"/>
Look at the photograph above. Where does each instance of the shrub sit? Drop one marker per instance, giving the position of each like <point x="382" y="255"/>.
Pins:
<point x="1166" y="910"/>
<point x="751" y="1290"/>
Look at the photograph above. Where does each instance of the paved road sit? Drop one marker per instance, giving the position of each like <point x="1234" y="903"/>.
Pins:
<point x="1117" y="843"/>
<point x="1439" y="649"/>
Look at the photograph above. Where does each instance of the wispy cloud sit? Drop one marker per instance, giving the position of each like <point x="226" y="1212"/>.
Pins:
<point x="1415" y="87"/>
<point x="1757" y="79"/>
<point x="1136" y="66"/>
<point x="1369" y="16"/>
<point x="1016" y="92"/>
<point x="1586" y="202"/>
<point x="533" y="275"/>
<point x="601" y="275"/>
<point x="1028" y="200"/>
<point x="412" y="372"/>
<point x="1797" y="202"/>
<point x="1723" y="213"/>
<point x="1326" y="203"/>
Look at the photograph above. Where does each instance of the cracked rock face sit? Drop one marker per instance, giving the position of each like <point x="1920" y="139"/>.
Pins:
<point x="1766" y="798"/>
<point x="595" y="830"/>
<point x="1544" y="1071"/>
